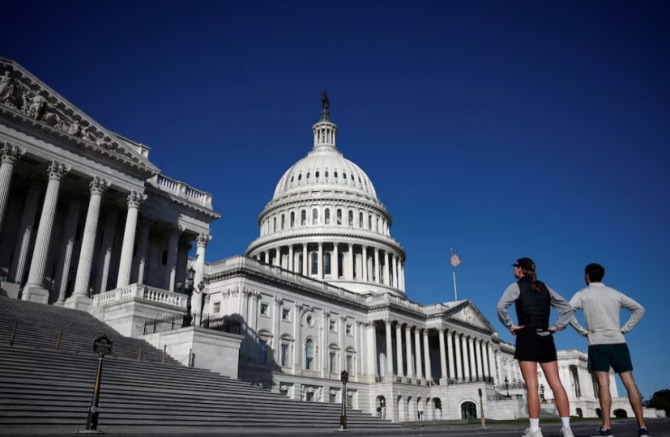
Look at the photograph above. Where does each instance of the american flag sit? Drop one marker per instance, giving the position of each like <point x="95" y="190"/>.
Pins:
<point x="455" y="259"/>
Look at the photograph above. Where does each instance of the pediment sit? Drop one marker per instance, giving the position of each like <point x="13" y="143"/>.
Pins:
<point x="29" y="99"/>
<point x="468" y="314"/>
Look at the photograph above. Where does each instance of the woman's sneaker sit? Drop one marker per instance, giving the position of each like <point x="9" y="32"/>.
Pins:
<point x="603" y="432"/>
<point x="643" y="432"/>
<point x="529" y="433"/>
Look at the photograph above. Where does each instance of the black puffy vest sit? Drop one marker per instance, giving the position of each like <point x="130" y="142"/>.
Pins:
<point x="533" y="307"/>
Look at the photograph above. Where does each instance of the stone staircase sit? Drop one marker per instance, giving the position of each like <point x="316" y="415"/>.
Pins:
<point x="42" y="387"/>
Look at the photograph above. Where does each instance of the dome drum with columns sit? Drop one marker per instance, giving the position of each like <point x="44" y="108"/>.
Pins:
<point x="325" y="221"/>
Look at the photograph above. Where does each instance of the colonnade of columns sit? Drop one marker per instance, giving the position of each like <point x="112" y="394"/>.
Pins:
<point x="35" y="251"/>
<point x="339" y="260"/>
<point x="463" y="357"/>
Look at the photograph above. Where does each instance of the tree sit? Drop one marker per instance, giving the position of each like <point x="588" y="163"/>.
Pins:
<point x="661" y="401"/>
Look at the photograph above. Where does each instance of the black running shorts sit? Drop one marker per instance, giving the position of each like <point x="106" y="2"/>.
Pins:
<point x="535" y="346"/>
<point x="602" y="356"/>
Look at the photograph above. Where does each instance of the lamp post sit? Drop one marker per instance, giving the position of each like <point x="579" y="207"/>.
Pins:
<point x="507" y="388"/>
<point x="189" y="289"/>
<point x="542" y="399"/>
<point x="344" y="377"/>
<point x="481" y="408"/>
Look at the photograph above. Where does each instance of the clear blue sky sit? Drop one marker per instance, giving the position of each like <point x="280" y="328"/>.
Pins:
<point x="501" y="129"/>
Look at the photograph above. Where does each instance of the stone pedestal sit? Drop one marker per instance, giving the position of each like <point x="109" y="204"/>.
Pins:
<point x="79" y="302"/>
<point x="9" y="289"/>
<point x="35" y="293"/>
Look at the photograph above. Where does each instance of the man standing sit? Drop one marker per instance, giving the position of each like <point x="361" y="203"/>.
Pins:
<point x="607" y="345"/>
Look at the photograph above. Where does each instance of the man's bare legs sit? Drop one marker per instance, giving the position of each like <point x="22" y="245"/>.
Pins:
<point x="551" y="373"/>
<point x="633" y="396"/>
<point x="605" y="398"/>
<point x="529" y="373"/>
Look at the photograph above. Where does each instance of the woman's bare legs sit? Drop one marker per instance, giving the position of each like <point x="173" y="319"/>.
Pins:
<point x="529" y="373"/>
<point x="550" y="370"/>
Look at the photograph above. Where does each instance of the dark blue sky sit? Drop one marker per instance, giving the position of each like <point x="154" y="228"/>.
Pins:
<point x="501" y="129"/>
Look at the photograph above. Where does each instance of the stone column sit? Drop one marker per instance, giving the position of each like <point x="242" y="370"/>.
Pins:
<point x="426" y="354"/>
<point x="364" y="264"/>
<point x="143" y="243"/>
<point x="350" y="270"/>
<point x="305" y="260"/>
<point x="319" y="264"/>
<point x="107" y="248"/>
<point x="276" y="329"/>
<point x="173" y="251"/>
<point x="398" y="343"/>
<point x="459" y="356"/>
<point x="417" y="353"/>
<point x="450" y="351"/>
<point x="8" y="156"/>
<point x="291" y="260"/>
<point x="134" y="201"/>
<point x="389" y="351"/>
<point x="492" y="364"/>
<point x="34" y="290"/>
<point x="376" y="269"/>
<point x="478" y="350"/>
<point x="387" y="278"/>
<point x="69" y="236"/>
<point x="372" y="350"/>
<point x="394" y="265"/>
<point x="473" y="364"/>
<point x="298" y="345"/>
<point x="408" y="350"/>
<point x="201" y="241"/>
<point x="443" y="358"/>
<point x="26" y="229"/>
<point x="335" y="263"/>
<point x="80" y="298"/>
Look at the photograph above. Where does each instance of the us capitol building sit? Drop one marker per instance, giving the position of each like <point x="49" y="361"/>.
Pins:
<point x="88" y="222"/>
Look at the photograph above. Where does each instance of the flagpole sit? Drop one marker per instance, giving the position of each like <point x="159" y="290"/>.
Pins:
<point x="455" y="292"/>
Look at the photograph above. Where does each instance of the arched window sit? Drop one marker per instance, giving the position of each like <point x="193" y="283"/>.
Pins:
<point x="468" y="410"/>
<point x="339" y="217"/>
<point x="326" y="263"/>
<point x="369" y="222"/>
<point x="360" y="220"/>
<point x="351" y="218"/>
<point x="327" y="216"/>
<point x="309" y="353"/>
<point x="303" y="217"/>
<point x="283" y="222"/>
<point x="274" y="224"/>
<point x="292" y="223"/>
<point x="340" y="264"/>
<point x="315" y="263"/>
<point x="315" y="216"/>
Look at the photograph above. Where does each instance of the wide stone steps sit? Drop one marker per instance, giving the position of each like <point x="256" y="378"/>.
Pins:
<point x="40" y="387"/>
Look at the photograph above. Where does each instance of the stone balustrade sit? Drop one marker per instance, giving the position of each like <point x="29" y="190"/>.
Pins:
<point x="136" y="291"/>
<point x="182" y="190"/>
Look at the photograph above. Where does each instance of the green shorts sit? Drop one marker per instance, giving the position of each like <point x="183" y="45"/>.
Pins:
<point x="602" y="356"/>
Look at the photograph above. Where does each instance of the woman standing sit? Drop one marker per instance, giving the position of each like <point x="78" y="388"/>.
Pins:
<point x="534" y="341"/>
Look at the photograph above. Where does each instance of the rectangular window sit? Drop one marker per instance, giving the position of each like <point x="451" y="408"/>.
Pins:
<point x="284" y="354"/>
<point x="285" y="314"/>
<point x="309" y="396"/>
<point x="350" y="400"/>
<point x="217" y="307"/>
<point x="283" y="391"/>
<point x="332" y="325"/>
<point x="332" y="398"/>
<point x="264" y="308"/>
<point x="350" y="364"/>
<point x="349" y="330"/>
<point x="332" y="362"/>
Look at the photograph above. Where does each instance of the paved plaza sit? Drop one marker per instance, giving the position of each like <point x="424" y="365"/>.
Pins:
<point x="622" y="428"/>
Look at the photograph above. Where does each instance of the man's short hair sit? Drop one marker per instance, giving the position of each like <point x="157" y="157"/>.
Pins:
<point x="595" y="272"/>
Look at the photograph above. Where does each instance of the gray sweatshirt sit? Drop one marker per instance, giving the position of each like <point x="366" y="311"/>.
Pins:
<point x="512" y="293"/>
<point x="602" y="308"/>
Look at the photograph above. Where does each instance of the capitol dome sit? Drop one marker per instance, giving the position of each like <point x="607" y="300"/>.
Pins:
<point x="325" y="222"/>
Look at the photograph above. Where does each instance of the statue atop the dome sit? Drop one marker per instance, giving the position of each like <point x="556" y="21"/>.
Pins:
<point x="324" y="101"/>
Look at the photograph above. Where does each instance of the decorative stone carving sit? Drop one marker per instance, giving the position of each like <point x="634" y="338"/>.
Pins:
<point x="98" y="186"/>
<point x="135" y="199"/>
<point x="57" y="170"/>
<point x="6" y="89"/>
<point x="279" y="301"/>
<point x="202" y="240"/>
<point x="37" y="106"/>
<point x="10" y="153"/>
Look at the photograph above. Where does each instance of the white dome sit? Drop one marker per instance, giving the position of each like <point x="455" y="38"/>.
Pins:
<point x="325" y="168"/>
